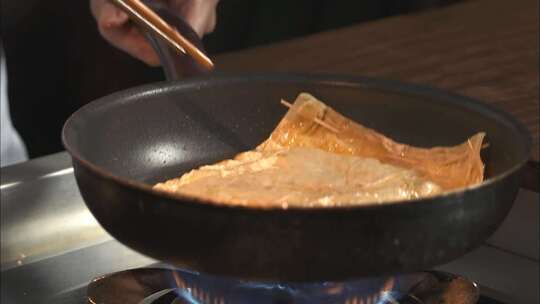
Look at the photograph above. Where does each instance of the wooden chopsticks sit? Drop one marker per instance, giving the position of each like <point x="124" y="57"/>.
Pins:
<point x="147" y="18"/>
<point x="317" y="120"/>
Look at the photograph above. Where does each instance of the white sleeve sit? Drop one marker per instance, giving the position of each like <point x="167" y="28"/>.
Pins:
<point x="12" y="147"/>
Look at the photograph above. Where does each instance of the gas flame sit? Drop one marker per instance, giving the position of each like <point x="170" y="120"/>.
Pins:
<point x="383" y="296"/>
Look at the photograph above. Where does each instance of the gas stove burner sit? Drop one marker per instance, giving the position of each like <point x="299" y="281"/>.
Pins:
<point x="166" y="286"/>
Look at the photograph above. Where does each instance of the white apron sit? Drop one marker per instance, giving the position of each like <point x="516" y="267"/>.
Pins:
<point x="13" y="149"/>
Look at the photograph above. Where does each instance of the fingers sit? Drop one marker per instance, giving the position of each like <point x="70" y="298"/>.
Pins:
<point x="114" y="26"/>
<point x="107" y="15"/>
<point x="200" y="14"/>
<point x="130" y="40"/>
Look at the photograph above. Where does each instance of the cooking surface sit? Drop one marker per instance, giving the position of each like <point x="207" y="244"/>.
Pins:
<point x="42" y="258"/>
<point x="151" y="283"/>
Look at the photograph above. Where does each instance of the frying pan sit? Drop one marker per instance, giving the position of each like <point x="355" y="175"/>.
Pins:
<point x="123" y="143"/>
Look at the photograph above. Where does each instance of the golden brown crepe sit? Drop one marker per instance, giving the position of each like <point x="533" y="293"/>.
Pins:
<point x="449" y="167"/>
<point x="304" y="177"/>
<point x="317" y="157"/>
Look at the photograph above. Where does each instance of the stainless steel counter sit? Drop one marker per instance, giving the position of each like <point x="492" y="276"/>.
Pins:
<point x="51" y="246"/>
<point x="43" y="213"/>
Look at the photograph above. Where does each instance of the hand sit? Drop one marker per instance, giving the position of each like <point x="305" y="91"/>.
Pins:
<point x="114" y="25"/>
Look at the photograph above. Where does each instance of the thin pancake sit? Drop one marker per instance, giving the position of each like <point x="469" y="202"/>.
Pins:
<point x="303" y="177"/>
<point x="449" y="167"/>
<point x="317" y="157"/>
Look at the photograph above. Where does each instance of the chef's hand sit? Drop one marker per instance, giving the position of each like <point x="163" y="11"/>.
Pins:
<point x="114" y="25"/>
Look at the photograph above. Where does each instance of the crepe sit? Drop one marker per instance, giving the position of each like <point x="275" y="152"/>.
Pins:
<point x="449" y="167"/>
<point x="318" y="158"/>
<point x="301" y="177"/>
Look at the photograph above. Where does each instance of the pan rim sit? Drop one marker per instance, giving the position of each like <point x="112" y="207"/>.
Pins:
<point x="399" y="87"/>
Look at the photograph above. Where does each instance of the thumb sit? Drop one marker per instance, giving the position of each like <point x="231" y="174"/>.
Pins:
<point x="200" y="14"/>
<point x="107" y="14"/>
<point x="114" y="27"/>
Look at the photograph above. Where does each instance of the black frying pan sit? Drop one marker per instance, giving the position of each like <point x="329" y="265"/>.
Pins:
<point x="123" y="143"/>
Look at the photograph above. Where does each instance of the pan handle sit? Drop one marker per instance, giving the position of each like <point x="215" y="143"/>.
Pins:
<point x="175" y="65"/>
